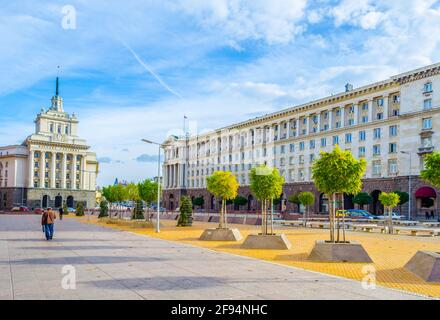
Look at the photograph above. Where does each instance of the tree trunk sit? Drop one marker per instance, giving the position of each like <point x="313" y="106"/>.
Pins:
<point x="331" y="218"/>
<point x="271" y="216"/>
<point x="390" y="220"/>
<point x="225" y="217"/>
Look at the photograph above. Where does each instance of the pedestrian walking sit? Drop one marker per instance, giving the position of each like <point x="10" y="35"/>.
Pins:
<point x="48" y="221"/>
<point x="427" y="215"/>
<point x="61" y="212"/>
<point x="432" y="214"/>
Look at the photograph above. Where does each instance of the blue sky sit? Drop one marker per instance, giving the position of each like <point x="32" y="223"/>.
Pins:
<point x="132" y="69"/>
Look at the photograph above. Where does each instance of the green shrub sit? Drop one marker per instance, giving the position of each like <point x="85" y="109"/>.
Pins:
<point x="138" y="211"/>
<point x="65" y="209"/>
<point x="185" y="218"/>
<point x="103" y="209"/>
<point x="79" y="209"/>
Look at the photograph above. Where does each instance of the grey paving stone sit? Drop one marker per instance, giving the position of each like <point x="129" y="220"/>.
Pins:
<point x="112" y="264"/>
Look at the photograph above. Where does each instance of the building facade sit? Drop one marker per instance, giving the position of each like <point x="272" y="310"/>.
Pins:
<point x="392" y="124"/>
<point x="51" y="167"/>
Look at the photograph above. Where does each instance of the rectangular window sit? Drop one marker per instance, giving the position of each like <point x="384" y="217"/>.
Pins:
<point x="427" y="104"/>
<point x="364" y="119"/>
<point x="377" y="168"/>
<point x="301" y="145"/>
<point x="292" y="147"/>
<point x="338" y="124"/>
<point x="380" y="102"/>
<point x="361" y="152"/>
<point x="365" y="106"/>
<point x="283" y="149"/>
<point x="323" y="142"/>
<point x="392" y="166"/>
<point x="376" y="149"/>
<point x="427" y="123"/>
<point x="379" y="116"/>
<point x="427" y="87"/>
<point x="376" y="133"/>
<point x="348" y="138"/>
<point x="392" y="147"/>
<point x="312" y="144"/>
<point x="393" y="131"/>
<point x="312" y="158"/>
<point x="301" y="159"/>
<point x="335" y="140"/>
<point x="362" y="135"/>
<point x="350" y="122"/>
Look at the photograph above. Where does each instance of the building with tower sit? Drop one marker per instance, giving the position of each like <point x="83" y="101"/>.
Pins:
<point x="52" y="166"/>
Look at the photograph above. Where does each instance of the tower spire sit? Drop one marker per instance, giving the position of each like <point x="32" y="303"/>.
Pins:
<point x="57" y="88"/>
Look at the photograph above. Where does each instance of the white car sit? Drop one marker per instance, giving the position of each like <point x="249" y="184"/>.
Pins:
<point x="394" y="216"/>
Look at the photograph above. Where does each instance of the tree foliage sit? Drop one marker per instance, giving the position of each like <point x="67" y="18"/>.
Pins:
<point x="362" y="199"/>
<point x="223" y="185"/>
<point x="148" y="191"/>
<point x="431" y="172"/>
<point x="337" y="172"/>
<point x="389" y="201"/>
<point x="103" y="209"/>
<point x="240" y="200"/>
<point x="79" y="209"/>
<point x="294" y="198"/>
<point x="306" y="198"/>
<point x="138" y="210"/>
<point x="403" y="197"/>
<point x="266" y="185"/>
<point x="131" y="192"/>
<point x="199" y="201"/>
<point x="185" y="210"/>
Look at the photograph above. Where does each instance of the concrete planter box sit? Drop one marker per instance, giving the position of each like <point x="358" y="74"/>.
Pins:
<point x="270" y="241"/>
<point x="339" y="252"/>
<point x="221" y="235"/>
<point x="426" y="265"/>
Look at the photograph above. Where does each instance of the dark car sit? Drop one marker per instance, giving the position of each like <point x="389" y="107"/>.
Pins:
<point x="359" y="214"/>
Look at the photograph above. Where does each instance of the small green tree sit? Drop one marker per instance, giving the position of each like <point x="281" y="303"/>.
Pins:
<point x="148" y="191"/>
<point x="103" y="209"/>
<point x="403" y="198"/>
<point x="337" y="172"/>
<point x="240" y="201"/>
<point x="306" y="198"/>
<point x="110" y="195"/>
<point x="79" y="209"/>
<point x="138" y="210"/>
<point x="431" y="171"/>
<point x="266" y="184"/>
<point x="389" y="201"/>
<point x="294" y="199"/>
<point x="199" y="202"/>
<point x="65" y="208"/>
<point x="223" y="185"/>
<point x="185" y="210"/>
<point x="362" y="199"/>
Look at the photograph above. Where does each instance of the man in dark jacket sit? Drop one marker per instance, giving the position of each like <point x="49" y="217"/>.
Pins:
<point x="61" y="212"/>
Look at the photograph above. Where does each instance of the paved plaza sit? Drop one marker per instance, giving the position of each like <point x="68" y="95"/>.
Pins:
<point x="113" y="264"/>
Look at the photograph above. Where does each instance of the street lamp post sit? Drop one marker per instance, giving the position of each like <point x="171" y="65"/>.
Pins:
<point x="158" y="182"/>
<point x="409" y="183"/>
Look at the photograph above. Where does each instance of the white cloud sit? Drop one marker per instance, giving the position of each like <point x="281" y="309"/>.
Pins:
<point x="273" y="21"/>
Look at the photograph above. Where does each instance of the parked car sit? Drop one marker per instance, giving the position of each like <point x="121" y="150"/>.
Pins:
<point x="20" y="209"/>
<point x="359" y="214"/>
<point x="71" y="210"/>
<point x="394" y="216"/>
<point x="38" y="211"/>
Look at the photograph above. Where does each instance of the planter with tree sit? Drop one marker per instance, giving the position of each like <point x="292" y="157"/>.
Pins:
<point x="335" y="173"/>
<point x="306" y="198"/>
<point x="294" y="199"/>
<point x="103" y="209"/>
<point x="223" y="185"/>
<point x="266" y="185"/>
<point x="426" y="264"/>
<point x="389" y="201"/>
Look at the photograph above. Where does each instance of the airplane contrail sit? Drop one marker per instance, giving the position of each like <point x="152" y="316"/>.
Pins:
<point x="142" y="63"/>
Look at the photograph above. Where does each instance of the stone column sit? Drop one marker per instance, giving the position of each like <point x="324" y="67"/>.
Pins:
<point x="342" y="117"/>
<point x="31" y="169"/>
<point x="370" y="110"/>
<point x="53" y="170"/>
<point x="43" y="169"/>
<point x="84" y="174"/>
<point x="318" y="121"/>
<point x="63" y="170"/>
<point x="330" y="119"/>
<point x="287" y="129"/>
<point x="73" y="171"/>
<point x="297" y="127"/>
<point x="356" y="113"/>
<point x="307" y="124"/>
<point x="385" y="107"/>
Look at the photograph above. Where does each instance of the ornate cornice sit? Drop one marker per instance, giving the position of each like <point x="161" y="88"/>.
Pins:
<point x="418" y="74"/>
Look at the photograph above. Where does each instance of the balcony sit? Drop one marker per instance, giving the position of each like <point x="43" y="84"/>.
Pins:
<point x="425" y="150"/>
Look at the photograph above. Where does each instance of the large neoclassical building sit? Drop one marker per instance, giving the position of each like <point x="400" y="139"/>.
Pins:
<point x="52" y="166"/>
<point x="391" y="123"/>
